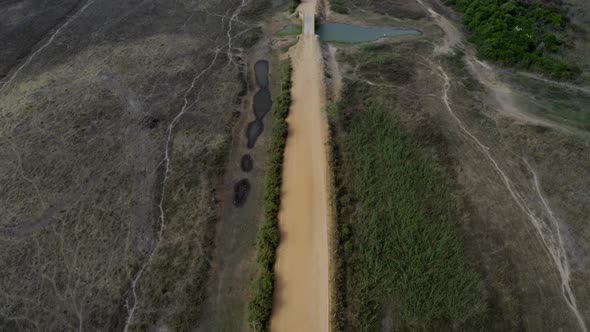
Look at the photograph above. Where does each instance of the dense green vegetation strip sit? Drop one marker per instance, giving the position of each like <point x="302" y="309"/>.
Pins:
<point x="260" y="306"/>
<point x="526" y="34"/>
<point x="397" y="226"/>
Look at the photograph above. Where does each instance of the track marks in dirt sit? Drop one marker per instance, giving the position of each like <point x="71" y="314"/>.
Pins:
<point x="452" y="36"/>
<point x="547" y="226"/>
<point x="558" y="254"/>
<point x="232" y="19"/>
<point x="565" y="85"/>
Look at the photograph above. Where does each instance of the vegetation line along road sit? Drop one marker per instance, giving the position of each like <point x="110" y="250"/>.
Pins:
<point x="549" y="232"/>
<point x="260" y="306"/>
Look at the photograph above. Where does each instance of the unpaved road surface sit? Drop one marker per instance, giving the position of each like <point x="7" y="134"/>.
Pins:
<point x="301" y="295"/>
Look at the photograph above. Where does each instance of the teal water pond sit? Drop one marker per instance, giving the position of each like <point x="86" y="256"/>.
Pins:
<point x="347" y="33"/>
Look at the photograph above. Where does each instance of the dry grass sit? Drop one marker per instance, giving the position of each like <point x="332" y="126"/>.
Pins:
<point x="82" y="141"/>
<point x="397" y="222"/>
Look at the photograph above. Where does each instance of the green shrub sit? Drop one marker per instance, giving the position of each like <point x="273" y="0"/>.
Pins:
<point x="520" y="34"/>
<point x="260" y="306"/>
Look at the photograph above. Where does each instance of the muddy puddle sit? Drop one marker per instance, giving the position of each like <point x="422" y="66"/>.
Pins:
<point x="247" y="163"/>
<point x="261" y="73"/>
<point x="261" y="105"/>
<point x="348" y="33"/>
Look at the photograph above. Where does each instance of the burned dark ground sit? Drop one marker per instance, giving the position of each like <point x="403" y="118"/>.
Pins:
<point x="112" y="144"/>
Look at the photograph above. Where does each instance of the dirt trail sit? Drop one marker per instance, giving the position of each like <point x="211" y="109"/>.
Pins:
<point x="301" y="298"/>
<point x="565" y="85"/>
<point x="505" y="96"/>
<point x="545" y="223"/>
<point x="486" y="74"/>
<point x="452" y="36"/>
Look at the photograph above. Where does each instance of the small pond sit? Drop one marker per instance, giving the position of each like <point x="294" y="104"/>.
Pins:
<point x="262" y="103"/>
<point x="347" y="33"/>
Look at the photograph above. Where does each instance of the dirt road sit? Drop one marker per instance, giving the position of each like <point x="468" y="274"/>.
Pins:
<point x="301" y="295"/>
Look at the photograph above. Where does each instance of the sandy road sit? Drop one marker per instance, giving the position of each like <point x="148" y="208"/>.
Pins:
<point x="301" y="299"/>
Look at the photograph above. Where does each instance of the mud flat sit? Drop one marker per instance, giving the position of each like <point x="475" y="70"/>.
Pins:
<point x="301" y="292"/>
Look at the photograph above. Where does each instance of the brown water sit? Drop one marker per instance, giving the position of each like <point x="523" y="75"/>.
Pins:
<point x="301" y="299"/>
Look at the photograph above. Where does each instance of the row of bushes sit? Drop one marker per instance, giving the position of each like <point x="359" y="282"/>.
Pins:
<point x="525" y="34"/>
<point x="260" y="306"/>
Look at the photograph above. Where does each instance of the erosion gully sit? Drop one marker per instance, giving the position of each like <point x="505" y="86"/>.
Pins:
<point x="301" y="298"/>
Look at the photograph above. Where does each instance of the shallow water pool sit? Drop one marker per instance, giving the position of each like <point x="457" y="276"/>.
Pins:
<point x="347" y="33"/>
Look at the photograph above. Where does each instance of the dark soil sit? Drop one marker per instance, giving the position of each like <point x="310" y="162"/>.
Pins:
<point x="255" y="128"/>
<point x="262" y="103"/>
<point x="241" y="191"/>
<point x="150" y="122"/>
<point x="247" y="163"/>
